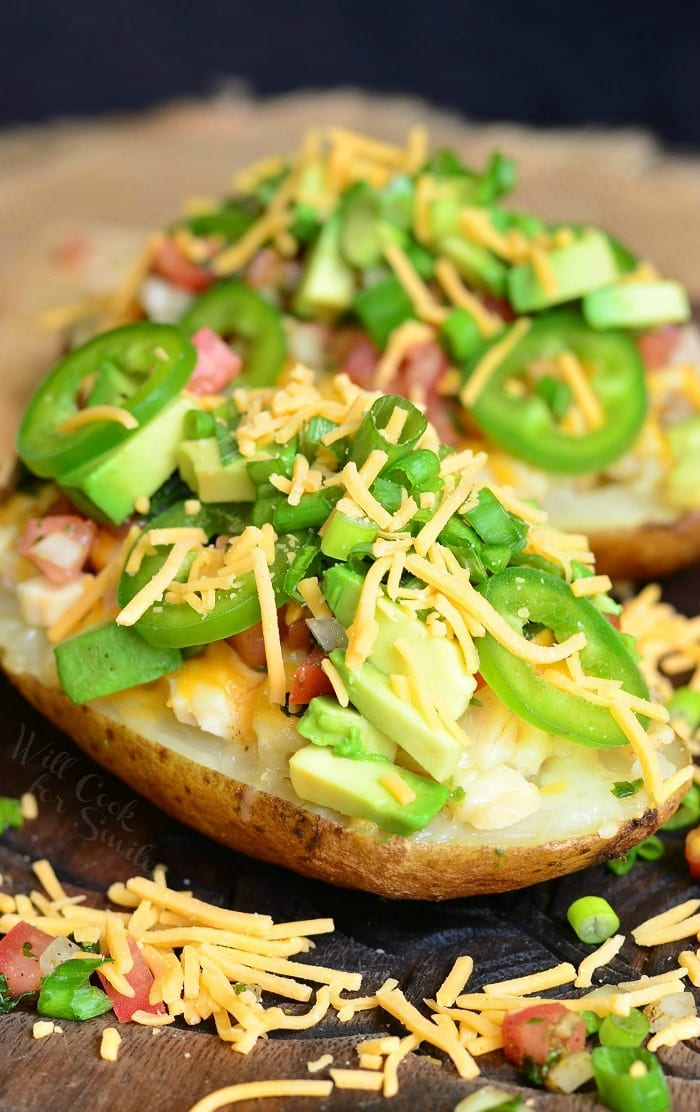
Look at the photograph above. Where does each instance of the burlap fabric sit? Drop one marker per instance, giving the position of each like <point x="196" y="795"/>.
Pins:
<point x="115" y="179"/>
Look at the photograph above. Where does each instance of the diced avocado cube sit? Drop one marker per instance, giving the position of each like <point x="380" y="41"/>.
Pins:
<point x="110" y="658"/>
<point x="325" y="722"/>
<point x="327" y="285"/>
<point x="636" y="305"/>
<point x="199" y="463"/>
<point x="110" y="486"/>
<point x="441" y="661"/>
<point x="586" y="264"/>
<point x="476" y="263"/>
<point x="372" y="694"/>
<point x="354" y="788"/>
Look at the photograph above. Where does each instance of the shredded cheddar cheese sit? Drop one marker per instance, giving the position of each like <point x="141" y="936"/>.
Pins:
<point x="98" y="413"/>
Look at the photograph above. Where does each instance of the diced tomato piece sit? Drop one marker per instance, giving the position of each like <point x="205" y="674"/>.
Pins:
<point x="692" y="851"/>
<point x="58" y="545"/>
<point x="657" y="347"/>
<point x="217" y="364"/>
<point x="360" y="361"/>
<point x="141" y="980"/>
<point x="614" y="620"/>
<point x="171" y="264"/>
<point x="20" y="951"/>
<point x="310" y="680"/>
<point x="267" y="270"/>
<point x="497" y="305"/>
<point x="250" y="646"/>
<point x="295" y="637"/>
<point x="533" y="1034"/>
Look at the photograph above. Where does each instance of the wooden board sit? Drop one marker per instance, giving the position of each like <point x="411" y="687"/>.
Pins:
<point x="96" y="831"/>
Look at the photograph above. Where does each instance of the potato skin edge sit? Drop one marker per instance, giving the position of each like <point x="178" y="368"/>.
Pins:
<point x="275" y="830"/>
<point x="649" y="552"/>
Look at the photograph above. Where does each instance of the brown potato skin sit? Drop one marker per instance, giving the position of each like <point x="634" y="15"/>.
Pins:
<point x="275" y="830"/>
<point x="649" y="552"/>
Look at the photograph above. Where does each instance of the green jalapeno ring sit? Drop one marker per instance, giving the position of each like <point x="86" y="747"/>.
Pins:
<point x="232" y="309"/>
<point x="177" y="625"/>
<point x="546" y="599"/>
<point x="137" y="351"/>
<point x="527" y="428"/>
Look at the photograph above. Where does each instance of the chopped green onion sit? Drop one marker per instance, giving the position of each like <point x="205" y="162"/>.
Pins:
<point x="310" y="513"/>
<point x="281" y="462"/>
<point x="418" y="471"/>
<point x="494" y="524"/>
<point x="388" y="493"/>
<point x="67" y="994"/>
<point x="592" y="1022"/>
<point x="622" y="1088"/>
<point x="381" y="308"/>
<point x="624" y="1030"/>
<point x="620" y="866"/>
<point x="461" y="334"/>
<point x="305" y="222"/>
<point x="230" y="222"/>
<point x="688" y="811"/>
<point x="10" y="813"/>
<point x="263" y="510"/>
<point x="345" y="533"/>
<point x="370" y="434"/>
<point x="300" y="568"/>
<point x="651" y="849"/>
<point x="622" y="789"/>
<point x="198" y="425"/>
<point x="312" y="434"/>
<point x="593" y="919"/>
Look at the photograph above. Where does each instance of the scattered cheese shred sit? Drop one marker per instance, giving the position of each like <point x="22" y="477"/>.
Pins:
<point x="455" y="981"/>
<point x="370" y="1080"/>
<point x="98" y="413"/>
<point x="109" y="1046"/>
<point x="598" y="958"/>
<point x="260" y="1090"/>
<point x="686" y="1028"/>
<point x="42" y="1028"/>
<point x="574" y="375"/>
<point x="29" y="806"/>
<point x="447" y="275"/>
<point x="396" y="786"/>
<point x="319" y="1064"/>
<point x="277" y="682"/>
<point x="562" y="974"/>
<point x="491" y="361"/>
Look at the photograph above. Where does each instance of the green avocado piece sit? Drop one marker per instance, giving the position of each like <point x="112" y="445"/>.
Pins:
<point x="353" y="787"/>
<point x="200" y="465"/>
<point x="441" y="661"/>
<point x="475" y="263"/>
<point x="110" y="658"/>
<point x="110" y="486"/>
<point x="683" y="481"/>
<point x="325" y="722"/>
<point x="372" y="694"/>
<point x="586" y="264"/>
<point x="636" y="305"/>
<point x="327" y="285"/>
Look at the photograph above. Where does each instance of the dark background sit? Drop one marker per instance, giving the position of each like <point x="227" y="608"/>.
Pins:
<point x="547" y="62"/>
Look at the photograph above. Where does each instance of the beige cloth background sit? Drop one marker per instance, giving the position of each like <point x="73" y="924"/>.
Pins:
<point x="116" y="179"/>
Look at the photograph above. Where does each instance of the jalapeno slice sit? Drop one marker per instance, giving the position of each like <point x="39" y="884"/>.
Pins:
<point x="139" y="368"/>
<point x="234" y="311"/>
<point x="523" y="423"/>
<point x="178" y="625"/>
<point x="525" y="595"/>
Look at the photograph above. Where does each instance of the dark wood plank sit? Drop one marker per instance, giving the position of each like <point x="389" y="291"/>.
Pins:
<point x="96" y="831"/>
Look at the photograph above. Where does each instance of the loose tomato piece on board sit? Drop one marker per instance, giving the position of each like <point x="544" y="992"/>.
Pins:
<point x="533" y="1034"/>
<point x="692" y="851"/>
<point x="58" y="545"/>
<point x="360" y="361"/>
<point x="310" y="680"/>
<point x="20" y="951"/>
<point x="141" y="980"/>
<point x="171" y="264"/>
<point x="217" y="364"/>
